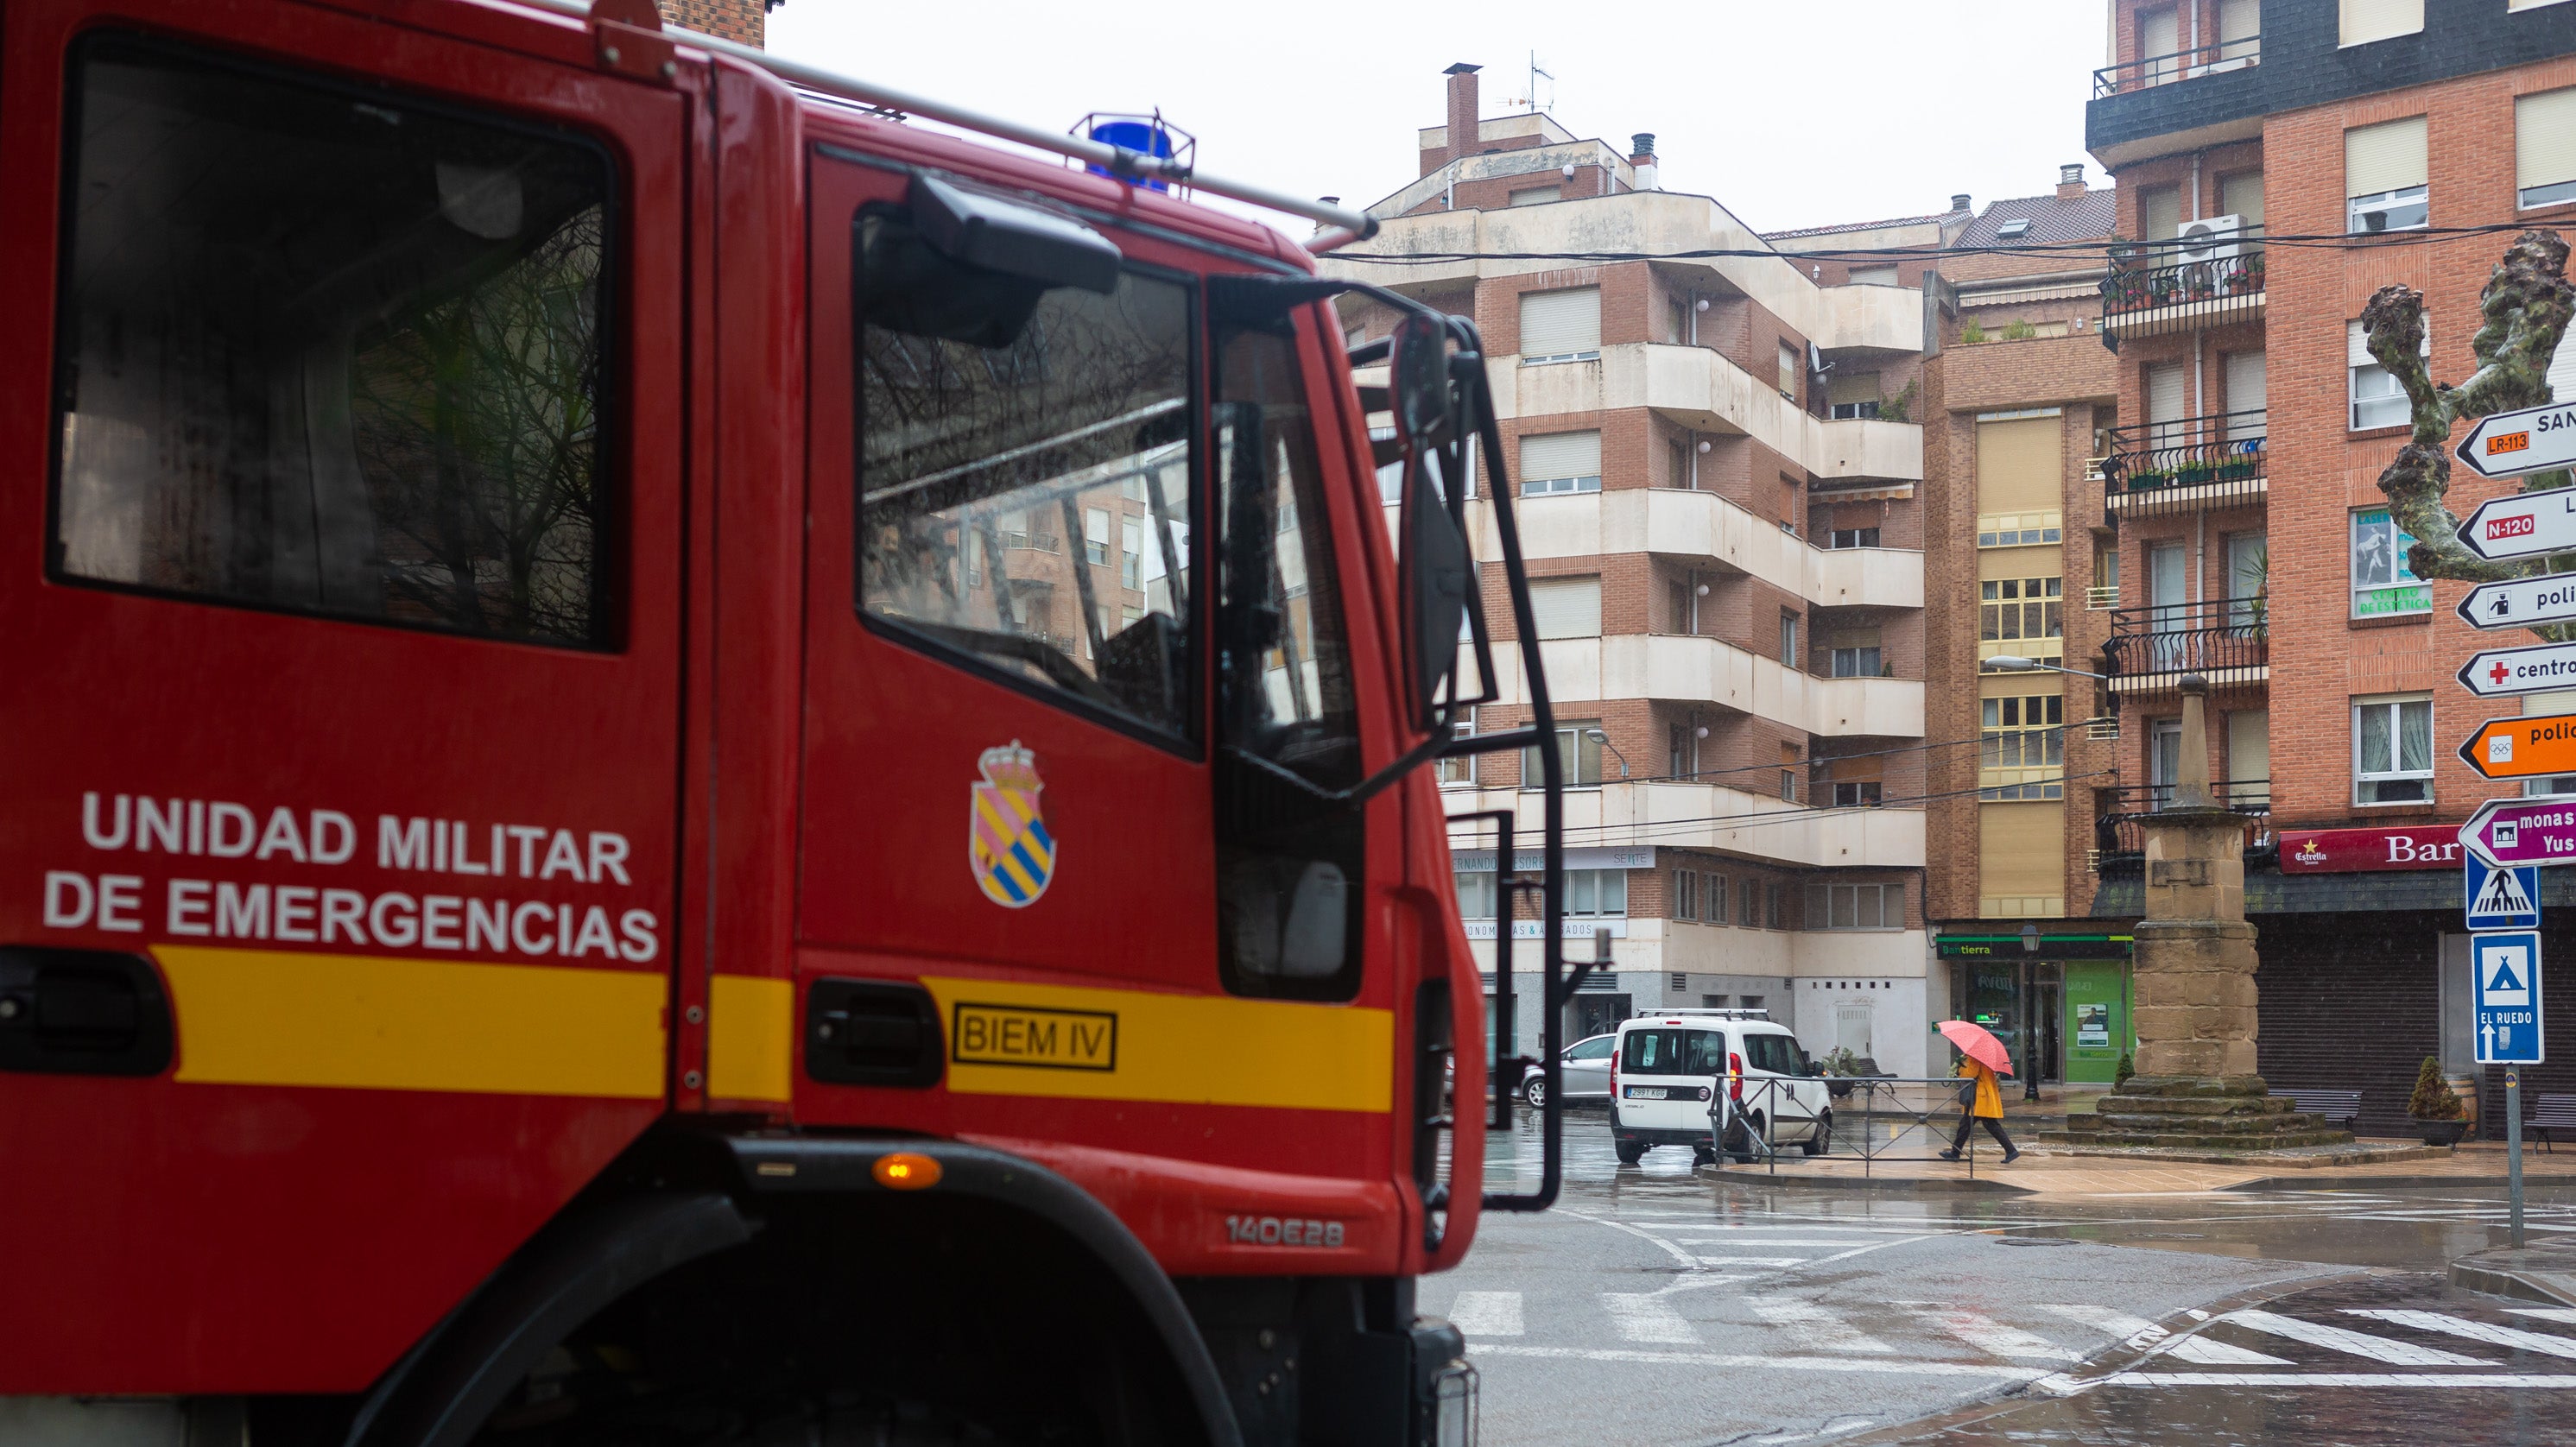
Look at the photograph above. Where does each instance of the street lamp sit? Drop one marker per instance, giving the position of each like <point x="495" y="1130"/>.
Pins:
<point x="1603" y="739"/>
<point x="2029" y="1015"/>
<point x="2009" y="663"/>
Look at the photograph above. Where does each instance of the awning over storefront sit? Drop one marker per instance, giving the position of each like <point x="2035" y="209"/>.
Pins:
<point x="1980" y="943"/>
<point x="2271" y="892"/>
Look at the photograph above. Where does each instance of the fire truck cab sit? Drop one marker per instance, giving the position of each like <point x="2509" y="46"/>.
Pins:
<point x="700" y="765"/>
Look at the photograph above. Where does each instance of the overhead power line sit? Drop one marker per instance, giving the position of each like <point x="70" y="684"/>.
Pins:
<point x="2046" y="250"/>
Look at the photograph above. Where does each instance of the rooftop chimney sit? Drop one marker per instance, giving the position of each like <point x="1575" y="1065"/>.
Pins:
<point x="1462" y="109"/>
<point x="2070" y="182"/>
<point x="1641" y="159"/>
<point x="1959" y="201"/>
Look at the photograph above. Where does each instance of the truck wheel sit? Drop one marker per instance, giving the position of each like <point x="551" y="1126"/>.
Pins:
<point x="1535" y="1091"/>
<point x="1822" y="1141"/>
<point x="1630" y="1152"/>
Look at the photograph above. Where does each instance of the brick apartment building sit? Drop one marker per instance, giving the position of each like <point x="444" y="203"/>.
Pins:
<point x="2018" y="397"/>
<point x="1725" y="545"/>
<point x="2248" y="538"/>
<point x="746" y="21"/>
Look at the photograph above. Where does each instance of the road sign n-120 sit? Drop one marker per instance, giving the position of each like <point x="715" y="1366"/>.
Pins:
<point x="2522" y="524"/>
<point x="2505" y="971"/>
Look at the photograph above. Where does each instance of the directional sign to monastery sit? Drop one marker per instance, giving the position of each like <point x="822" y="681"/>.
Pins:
<point x="2510" y="444"/>
<point x="2521" y="602"/>
<point x="2523" y="524"/>
<point x="2501" y="672"/>
<point x="2508" y="832"/>
<point x="2523" y="748"/>
<point x="2507" y="970"/>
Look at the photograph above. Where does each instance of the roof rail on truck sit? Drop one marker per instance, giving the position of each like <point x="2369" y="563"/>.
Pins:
<point x="1346" y="224"/>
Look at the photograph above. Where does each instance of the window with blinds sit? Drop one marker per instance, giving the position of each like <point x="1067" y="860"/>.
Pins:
<point x="2021" y="465"/>
<point x="1561" y="326"/>
<point x="1560" y="462"/>
<point x="2367" y="20"/>
<point x="2377" y="400"/>
<point x="2384" y="170"/>
<point x="1789" y="371"/>
<point x="2159" y="213"/>
<point x="2241" y="194"/>
<point x="2544" y="147"/>
<point x="1566" y="607"/>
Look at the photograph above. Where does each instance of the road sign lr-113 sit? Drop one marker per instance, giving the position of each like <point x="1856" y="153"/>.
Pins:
<point x="2500" y="898"/>
<point x="2523" y="525"/>
<point x="2522" y="831"/>
<point x="2505" y="969"/>
<point x="2521" y="602"/>
<point x="2523" y="748"/>
<point x="2510" y="444"/>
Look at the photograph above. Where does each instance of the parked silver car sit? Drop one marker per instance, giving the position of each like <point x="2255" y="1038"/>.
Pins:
<point x="1584" y="1068"/>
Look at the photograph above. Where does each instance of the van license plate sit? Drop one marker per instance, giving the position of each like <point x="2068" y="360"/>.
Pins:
<point x="1645" y="1092"/>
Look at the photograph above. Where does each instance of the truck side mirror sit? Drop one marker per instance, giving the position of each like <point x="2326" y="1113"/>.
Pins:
<point x="1438" y="573"/>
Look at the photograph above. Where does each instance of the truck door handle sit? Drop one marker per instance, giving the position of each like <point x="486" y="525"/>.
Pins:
<point x="82" y="1012"/>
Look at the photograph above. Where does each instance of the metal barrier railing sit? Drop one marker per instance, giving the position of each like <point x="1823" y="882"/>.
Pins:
<point x="1872" y="1117"/>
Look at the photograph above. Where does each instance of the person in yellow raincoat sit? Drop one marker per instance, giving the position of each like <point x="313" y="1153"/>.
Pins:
<point x="1987" y="1105"/>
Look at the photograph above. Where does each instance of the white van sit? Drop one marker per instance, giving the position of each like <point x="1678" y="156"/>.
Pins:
<point x="1671" y="1068"/>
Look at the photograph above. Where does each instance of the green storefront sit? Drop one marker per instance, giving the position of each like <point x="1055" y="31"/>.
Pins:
<point x="2074" y="987"/>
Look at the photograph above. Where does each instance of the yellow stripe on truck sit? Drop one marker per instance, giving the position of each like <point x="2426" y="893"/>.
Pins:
<point x="372" y="1022"/>
<point x="1067" y="1041"/>
<point x="751" y="1037"/>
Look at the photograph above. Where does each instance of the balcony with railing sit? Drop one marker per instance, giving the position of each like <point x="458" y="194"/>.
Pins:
<point x="2215" y="461"/>
<point x="2156" y="289"/>
<point x="2120" y="836"/>
<point x="2216" y="58"/>
<point x="2224" y="640"/>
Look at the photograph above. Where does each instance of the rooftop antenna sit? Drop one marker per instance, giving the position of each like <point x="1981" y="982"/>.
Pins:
<point x="1535" y="74"/>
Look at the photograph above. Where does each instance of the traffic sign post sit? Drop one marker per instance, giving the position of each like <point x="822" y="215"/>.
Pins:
<point x="2523" y="525"/>
<point x="2510" y="444"/>
<point x="2502" y="672"/>
<point x="2504" y="973"/>
<point x="2501" y="899"/>
<point x="2529" y="747"/>
<point x="2521" y="602"/>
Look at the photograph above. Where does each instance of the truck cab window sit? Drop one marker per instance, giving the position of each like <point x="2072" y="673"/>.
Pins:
<point x="1025" y="478"/>
<point x="1288" y="857"/>
<point x="328" y="351"/>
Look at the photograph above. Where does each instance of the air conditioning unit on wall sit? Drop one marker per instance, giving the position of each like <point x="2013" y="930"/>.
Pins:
<point x="2215" y="238"/>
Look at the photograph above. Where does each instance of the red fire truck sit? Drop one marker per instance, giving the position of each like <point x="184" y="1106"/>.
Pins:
<point x="697" y="764"/>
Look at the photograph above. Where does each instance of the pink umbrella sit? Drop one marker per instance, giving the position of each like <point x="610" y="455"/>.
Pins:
<point x="1978" y="1044"/>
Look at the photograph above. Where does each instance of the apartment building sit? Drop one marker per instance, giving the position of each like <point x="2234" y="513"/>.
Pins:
<point x="1725" y="544"/>
<point x="2252" y="543"/>
<point x="744" y="20"/>
<point x="2019" y="395"/>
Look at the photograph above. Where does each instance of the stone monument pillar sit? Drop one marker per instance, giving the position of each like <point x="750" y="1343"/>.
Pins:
<point x="2196" y="1085"/>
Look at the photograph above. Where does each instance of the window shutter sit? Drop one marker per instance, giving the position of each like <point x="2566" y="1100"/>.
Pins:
<point x="2159" y="33"/>
<point x="2164" y="392"/>
<point x="2366" y="20"/>
<point x="2246" y="389"/>
<point x="1566" y="607"/>
<point x="2019" y="465"/>
<point x="1554" y="323"/>
<point x="2385" y="157"/>
<point x="1560" y="454"/>
<point x="2544" y="138"/>
<point x="2242" y="195"/>
<point x="2238" y="20"/>
<point x="1789" y="368"/>
<point x="1873" y="276"/>
<point x="2358" y="352"/>
<point x="2159" y="213"/>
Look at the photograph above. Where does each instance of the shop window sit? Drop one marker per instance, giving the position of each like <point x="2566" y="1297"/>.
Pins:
<point x="1475" y="893"/>
<point x="2383" y="585"/>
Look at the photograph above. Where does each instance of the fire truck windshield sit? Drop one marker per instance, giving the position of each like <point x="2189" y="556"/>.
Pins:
<point x="1025" y="484"/>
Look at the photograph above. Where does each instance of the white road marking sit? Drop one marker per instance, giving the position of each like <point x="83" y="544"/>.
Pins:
<point x="2139" y="1332"/>
<point x="2351" y="1343"/>
<point x="2545" y="1313"/>
<point x="2503" y="1336"/>
<point x="1647" y="1317"/>
<point x="1753" y="1260"/>
<point x="1989" y="1335"/>
<point x="1761" y="1241"/>
<point x="1487" y="1313"/>
<point x="2445" y="1381"/>
<point x="1990" y="1371"/>
<point x="1815" y="1328"/>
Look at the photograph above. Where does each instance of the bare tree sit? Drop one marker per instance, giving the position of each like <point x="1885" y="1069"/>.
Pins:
<point x="2526" y="307"/>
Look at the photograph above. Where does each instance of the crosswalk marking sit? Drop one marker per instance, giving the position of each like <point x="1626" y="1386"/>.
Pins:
<point x="2351" y="1343"/>
<point x="1647" y="1318"/>
<point x="1487" y="1313"/>
<point x="1814" y="1327"/>
<point x="1989" y="1335"/>
<point x="2545" y="1313"/>
<point x="2273" y="1380"/>
<point x="1752" y="1260"/>
<point x="2503" y="1336"/>
<point x="2138" y="1331"/>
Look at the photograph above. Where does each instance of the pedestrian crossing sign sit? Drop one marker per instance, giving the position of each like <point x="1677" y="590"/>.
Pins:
<point x="2505" y="971"/>
<point x="2501" y="899"/>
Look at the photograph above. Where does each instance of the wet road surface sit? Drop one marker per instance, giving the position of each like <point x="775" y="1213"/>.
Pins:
<point x="1664" y="1306"/>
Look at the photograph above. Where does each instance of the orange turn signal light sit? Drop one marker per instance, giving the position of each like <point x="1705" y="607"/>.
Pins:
<point x="906" y="1171"/>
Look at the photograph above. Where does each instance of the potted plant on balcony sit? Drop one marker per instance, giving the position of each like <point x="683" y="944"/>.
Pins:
<point x="2147" y="480"/>
<point x="2434" y="1109"/>
<point x="2193" y="473"/>
<point x="2238" y="466"/>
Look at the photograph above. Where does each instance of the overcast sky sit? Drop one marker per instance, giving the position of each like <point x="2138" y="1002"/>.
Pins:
<point x="1791" y="112"/>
